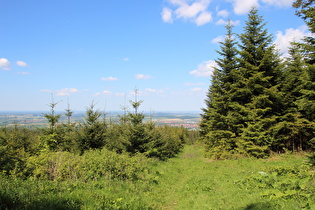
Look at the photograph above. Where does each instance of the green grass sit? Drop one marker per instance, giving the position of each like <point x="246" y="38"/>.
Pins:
<point x="192" y="182"/>
<point x="185" y="182"/>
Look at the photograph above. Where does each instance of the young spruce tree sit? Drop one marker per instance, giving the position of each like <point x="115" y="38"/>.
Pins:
<point x="92" y="131"/>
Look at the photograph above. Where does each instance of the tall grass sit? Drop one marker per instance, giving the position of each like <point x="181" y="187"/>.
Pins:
<point x="188" y="181"/>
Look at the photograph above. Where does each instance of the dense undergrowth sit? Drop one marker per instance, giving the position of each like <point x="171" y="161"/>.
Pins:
<point x="188" y="181"/>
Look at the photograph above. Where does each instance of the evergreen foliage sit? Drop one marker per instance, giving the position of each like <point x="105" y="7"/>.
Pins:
<point x="52" y="117"/>
<point x="93" y="129"/>
<point x="306" y="10"/>
<point x="245" y="101"/>
<point x="260" y="71"/>
<point x="294" y="129"/>
<point x="92" y="149"/>
<point x="258" y="103"/>
<point x="218" y="121"/>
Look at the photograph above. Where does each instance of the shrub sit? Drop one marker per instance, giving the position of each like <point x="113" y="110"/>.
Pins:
<point x="92" y="165"/>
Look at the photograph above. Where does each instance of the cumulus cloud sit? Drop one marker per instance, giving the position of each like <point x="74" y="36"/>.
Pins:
<point x="107" y="92"/>
<point x="167" y="15"/>
<point x="4" y="64"/>
<point x="203" y="18"/>
<point x="142" y="76"/>
<point x="21" y="63"/>
<point x="224" y="22"/>
<point x="279" y="3"/>
<point x="217" y="39"/>
<point x="223" y="13"/>
<point x="283" y="39"/>
<point x="46" y="90"/>
<point x="109" y="79"/>
<point x="154" y="90"/>
<point x="204" y="69"/>
<point x="66" y="91"/>
<point x="241" y="7"/>
<point x="195" y="11"/>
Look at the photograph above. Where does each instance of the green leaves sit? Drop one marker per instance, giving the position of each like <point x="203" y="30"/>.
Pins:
<point x="282" y="183"/>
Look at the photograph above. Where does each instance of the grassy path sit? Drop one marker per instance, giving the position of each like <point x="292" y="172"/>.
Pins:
<point x="192" y="182"/>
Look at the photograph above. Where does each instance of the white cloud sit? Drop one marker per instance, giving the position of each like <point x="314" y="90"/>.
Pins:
<point x="203" y="18"/>
<point x="107" y="92"/>
<point x="204" y="69"/>
<point x="154" y="90"/>
<point x="191" y="11"/>
<point x="224" y="22"/>
<point x="21" y="63"/>
<point x="221" y="22"/>
<point x="279" y="3"/>
<point x="167" y="15"/>
<point x="218" y="39"/>
<point x="4" y="64"/>
<point x="223" y="13"/>
<point x="142" y="76"/>
<point x="241" y="7"/>
<point x="109" y="79"/>
<point x="66" y="91"/>
<point x="126" y="59"/>
<point x="46" y="90"/>
<point x="283" y="39"/>
<point x="195" y="11"/>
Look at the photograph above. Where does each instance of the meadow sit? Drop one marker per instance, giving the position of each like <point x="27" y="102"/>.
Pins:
<point x="188" y="181"/>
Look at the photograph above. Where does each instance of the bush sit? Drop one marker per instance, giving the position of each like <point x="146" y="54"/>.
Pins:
<point x="92" y="165"/>
<point x="16" y="145"/>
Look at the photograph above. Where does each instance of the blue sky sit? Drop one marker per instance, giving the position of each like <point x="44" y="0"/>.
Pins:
<point x="100" y="50"/>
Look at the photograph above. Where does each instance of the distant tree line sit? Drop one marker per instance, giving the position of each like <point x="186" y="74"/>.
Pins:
<point x="258" y="102"/>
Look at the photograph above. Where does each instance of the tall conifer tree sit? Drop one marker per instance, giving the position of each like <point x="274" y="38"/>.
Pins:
<point x="293" y="130"/>
<point x="306" y="104"/>
<point x="217" y="125"/>
<point x="306" y="10"/>
<point x="258" y="94"/>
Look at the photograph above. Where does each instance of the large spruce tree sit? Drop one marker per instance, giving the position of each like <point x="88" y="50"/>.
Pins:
<point x="306" y="103"/>
<point x="306" y="10"/>
<point x="217" y="124"/>
<point x="244" y="102"/>
<point x="293" y="130"/>
<point x="260" y="99"/>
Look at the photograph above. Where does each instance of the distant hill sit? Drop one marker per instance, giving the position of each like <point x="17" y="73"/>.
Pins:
<point x="187" y="119"/>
